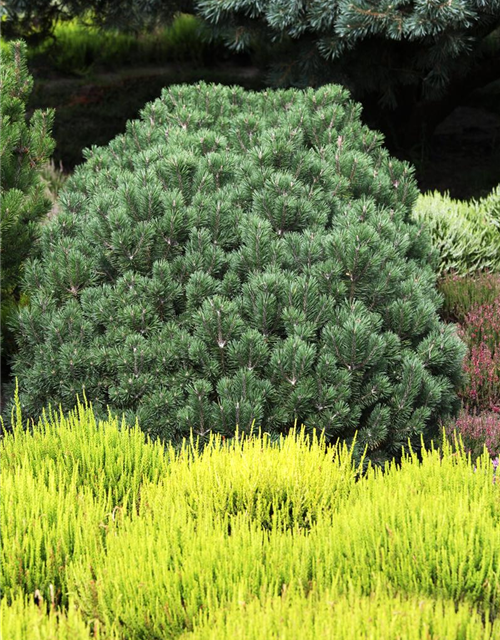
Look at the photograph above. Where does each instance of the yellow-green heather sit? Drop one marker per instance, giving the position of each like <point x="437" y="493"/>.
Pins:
<point x="108" y="535"/>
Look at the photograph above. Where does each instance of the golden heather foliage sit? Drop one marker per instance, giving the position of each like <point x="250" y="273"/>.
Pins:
<point x="347" y="617"/>
<point x="22" y="619"/>
<point x="244" y="538"/>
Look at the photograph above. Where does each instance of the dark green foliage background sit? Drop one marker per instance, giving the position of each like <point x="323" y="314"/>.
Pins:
<point x="239" y="257"/>
<point x="26" y="146"/>
<point x="395" y="42"/>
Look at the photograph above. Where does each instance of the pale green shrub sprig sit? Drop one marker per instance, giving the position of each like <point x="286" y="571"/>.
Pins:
<point x="109" y="456"/>
<point x="466" y="235"/>
<point x="65" y="481"/>
<point x="47" y="521"/>
<point x="423" y="530"/>
<point x="271" y="483"/>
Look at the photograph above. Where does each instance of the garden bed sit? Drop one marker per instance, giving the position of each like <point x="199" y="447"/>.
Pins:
<point x="110" y="536"/>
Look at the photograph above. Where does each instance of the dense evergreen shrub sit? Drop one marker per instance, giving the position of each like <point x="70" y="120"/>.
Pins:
<point x="239" y="257"/>
<point x="26" y="146"/>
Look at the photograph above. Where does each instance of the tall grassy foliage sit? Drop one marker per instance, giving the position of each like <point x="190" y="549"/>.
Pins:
<point x="462" y="294"/>
<point x="23" y="619"/>
<point x="120" y="538"/>
<point x="348" y="617"/>
<point x="474" y="302"/>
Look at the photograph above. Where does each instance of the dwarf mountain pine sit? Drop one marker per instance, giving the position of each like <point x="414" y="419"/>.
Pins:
<point x="239" y="258"/>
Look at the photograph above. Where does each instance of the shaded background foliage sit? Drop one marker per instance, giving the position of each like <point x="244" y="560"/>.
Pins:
<point x="408" y="61"/>
<point x="412" y="65"/>
<point x="36" y="19"/>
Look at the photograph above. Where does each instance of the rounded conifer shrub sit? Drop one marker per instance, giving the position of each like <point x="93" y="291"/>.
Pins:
<point x="239" y="258"/>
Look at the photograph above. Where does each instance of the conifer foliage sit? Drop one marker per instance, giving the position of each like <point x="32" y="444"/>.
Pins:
<point x="25" y="147"/>
<point x="411" y="62"/>
<point x="408" y="41"/>
<point x="238" y="257"/>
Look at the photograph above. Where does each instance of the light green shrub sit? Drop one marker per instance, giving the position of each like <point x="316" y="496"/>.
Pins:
<point x="103" y="457"/>
<point x="427" y="530"/>
<point x="466" y="234"/>
<point x="63" y="483"/>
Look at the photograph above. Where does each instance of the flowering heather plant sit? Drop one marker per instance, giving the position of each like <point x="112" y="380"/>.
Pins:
<point x="480" y="330"/>
<point x="477" y="432"/>
<point x="482" y="367"/>
<point x="462" y="294"/>
<point x="482" y="325"/>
